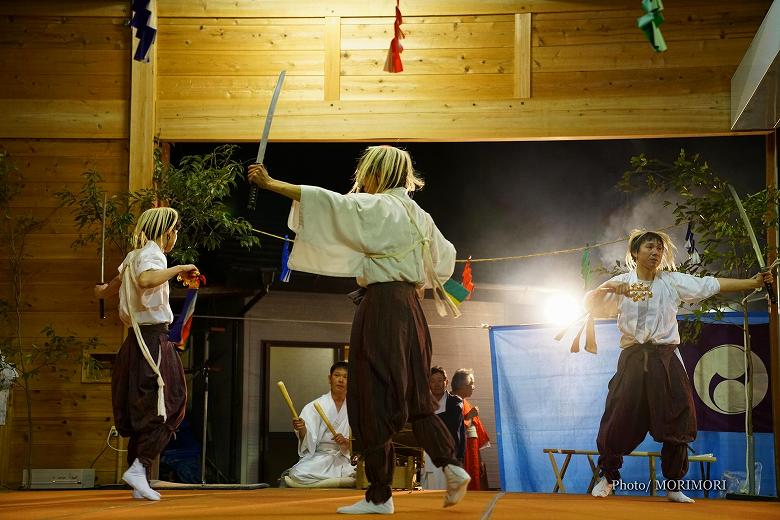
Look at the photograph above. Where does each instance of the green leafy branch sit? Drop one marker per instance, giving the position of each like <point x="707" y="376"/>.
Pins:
<point x="196" y="187"/>
<point x="698" y="195"/>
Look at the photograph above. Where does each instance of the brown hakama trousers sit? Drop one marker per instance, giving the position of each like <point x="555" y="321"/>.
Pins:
<point x="649" y="392"/>
<point x="134" y="394"/>
<point x="389" y="366"/>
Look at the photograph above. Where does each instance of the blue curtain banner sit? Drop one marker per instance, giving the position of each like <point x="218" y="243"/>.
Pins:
<point x="547" y="397"/>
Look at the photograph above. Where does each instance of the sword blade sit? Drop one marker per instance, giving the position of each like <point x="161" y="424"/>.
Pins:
<point x="748" y="228"/>
<point x="103" y="242"/>
<point x="269" y="118"/>
<point x="103" y="255"/>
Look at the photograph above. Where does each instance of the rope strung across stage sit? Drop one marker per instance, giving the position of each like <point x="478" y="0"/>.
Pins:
<point x="505" y="258"/>
<point x="456" y="292"/>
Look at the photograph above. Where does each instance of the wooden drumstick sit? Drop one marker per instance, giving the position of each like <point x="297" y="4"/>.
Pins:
<point x="286" y="396"/>
<point x="325" y="418"/>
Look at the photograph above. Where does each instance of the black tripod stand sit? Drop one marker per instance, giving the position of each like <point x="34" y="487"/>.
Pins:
<point x="204" y="371"/>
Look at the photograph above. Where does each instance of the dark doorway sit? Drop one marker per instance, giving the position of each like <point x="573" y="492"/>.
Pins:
<point x="304" y="368"/>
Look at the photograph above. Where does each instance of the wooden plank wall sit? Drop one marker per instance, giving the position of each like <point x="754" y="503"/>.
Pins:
<point x="64" y="97"/>
<point x="469" y="69"/>
<point x="475" y="70"/>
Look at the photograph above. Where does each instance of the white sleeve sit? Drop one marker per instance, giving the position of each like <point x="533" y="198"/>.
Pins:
<point x="127" y="259"/>
<point x="151" y="258"/>
<point x="329" y="217"/>
<point x="335" y="233"/>
<point x="329" y="231"/>
<point x="609" y="305"/>
<point x="693" y="289"/>
<point x="443" y="253"/>
<point x="309" y="443"/>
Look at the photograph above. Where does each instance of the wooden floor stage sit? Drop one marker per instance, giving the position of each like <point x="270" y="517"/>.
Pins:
<point x="321" y="504"/>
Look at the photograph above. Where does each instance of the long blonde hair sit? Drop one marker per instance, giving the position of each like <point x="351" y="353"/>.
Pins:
<point x="389" y="166"/>
<point x="640" y="236"/>
<point x="153" y="224"/>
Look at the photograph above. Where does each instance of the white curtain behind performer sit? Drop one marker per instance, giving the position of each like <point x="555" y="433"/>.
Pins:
<point x="325" y="459"/>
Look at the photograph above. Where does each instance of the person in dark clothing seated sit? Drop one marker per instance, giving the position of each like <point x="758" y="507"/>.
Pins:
<point x="450" y="410"/>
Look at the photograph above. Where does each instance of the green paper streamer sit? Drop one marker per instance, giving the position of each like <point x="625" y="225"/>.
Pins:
<point x="585" y="267"/>
<point x="649" y="23"/>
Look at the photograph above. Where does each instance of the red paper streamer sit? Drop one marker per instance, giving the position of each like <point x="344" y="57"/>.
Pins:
<point x="466" y="280"/>
<point x="393" y="62"/>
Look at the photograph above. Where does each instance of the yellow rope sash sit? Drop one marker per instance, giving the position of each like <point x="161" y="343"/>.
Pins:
<point x="128" y="275"/>
<point x="443" y="303"/>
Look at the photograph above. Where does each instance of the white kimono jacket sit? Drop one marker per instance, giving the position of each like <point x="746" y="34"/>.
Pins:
<point x="343" y="235"/>
<point x="654" y="319"/>
<point x="321" y="457"/>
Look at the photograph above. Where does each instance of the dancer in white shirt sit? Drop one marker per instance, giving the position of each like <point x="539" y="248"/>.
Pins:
<point x="379" y="235"/>
<point x="148" y="388"/>
<point x="650" y="390"/>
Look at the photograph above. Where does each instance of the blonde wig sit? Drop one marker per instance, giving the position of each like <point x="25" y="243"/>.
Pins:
<point x="640" y="236"/>
<point x="389" y="166"/>
<point x="153" y="224"/>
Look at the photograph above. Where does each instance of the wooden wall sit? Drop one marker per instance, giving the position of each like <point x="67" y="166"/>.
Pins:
<point x="64" y="98"/>
<point x="473" y="70"/>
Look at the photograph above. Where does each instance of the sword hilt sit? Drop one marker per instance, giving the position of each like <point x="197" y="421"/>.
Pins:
<point x="770" y="291"/>
<point x="251" y="203"/>
<point x="102" y="309"/>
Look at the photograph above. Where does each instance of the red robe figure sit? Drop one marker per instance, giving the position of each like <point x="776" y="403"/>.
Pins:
<point x="476" y="435"/>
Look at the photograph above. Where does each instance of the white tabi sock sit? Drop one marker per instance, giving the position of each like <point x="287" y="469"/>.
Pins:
<point x="138" y="496"/>
<point x="135" y="476"/>
<point x="457" y="482"/>
<point x="364" y="507"/>
<point x="678" y="496"/>
<point x="602" y="489"/>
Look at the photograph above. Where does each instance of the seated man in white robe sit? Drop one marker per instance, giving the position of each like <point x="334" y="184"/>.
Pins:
<point x="325" y="458"/>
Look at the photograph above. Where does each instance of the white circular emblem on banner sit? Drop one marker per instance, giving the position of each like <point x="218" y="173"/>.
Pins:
<point x="728" y="362"/>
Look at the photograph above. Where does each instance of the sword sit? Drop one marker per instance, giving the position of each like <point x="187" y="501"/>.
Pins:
<point x="264" y="140"/>
<point x="103" y="257"/>
<point x="749" y="228"/>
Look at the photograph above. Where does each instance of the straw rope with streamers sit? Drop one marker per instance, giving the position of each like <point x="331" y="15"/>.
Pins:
<point x="559" y="252"/>
<point x="518" y="257"/>
<point x="272" y="235"/>
<point x="325" y="418"/>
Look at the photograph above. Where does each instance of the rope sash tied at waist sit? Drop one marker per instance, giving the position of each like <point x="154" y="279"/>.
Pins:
<point x="664" y="352"/>
<point x="128" y="275"/>
<point x="443" y="303"/>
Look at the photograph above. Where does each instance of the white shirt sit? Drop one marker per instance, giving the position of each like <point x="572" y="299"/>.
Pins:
<point x="150" y="305"/>
<point x="321" y="456"/>
<point x="442" y="404"/>
<point x="654" y="320"/>
<point x="335" y="234"/>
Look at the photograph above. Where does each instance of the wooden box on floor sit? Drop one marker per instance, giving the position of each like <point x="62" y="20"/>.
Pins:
<point x="404" y="474"/>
